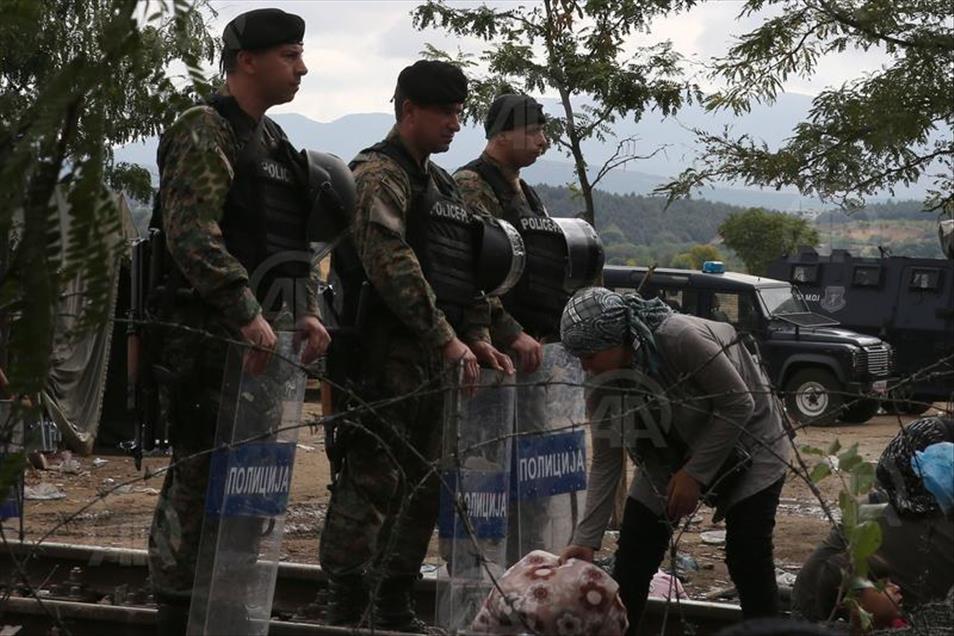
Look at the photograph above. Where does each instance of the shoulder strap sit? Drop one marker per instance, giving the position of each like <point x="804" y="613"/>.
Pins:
<point x="492" y="175"/>
<point x="401" y="156"/>
<point x="444" y="182"/>
<point x="273" y="129"/>
<point x="533" y="199"/>
<point x="416" y="176"/>
<point x="251" y="144"/>
<point x="246" y="152"/>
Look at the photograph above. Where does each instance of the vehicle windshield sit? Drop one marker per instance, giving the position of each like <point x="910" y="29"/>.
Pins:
<point x="780" y="301"/>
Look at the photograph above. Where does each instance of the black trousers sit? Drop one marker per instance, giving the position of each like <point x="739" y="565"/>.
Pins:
<point x="644" y="542"/>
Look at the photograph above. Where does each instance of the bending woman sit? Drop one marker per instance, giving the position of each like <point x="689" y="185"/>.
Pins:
<point x="694" y="410"/>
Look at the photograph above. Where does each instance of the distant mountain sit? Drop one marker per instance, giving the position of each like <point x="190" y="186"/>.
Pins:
<point x="644" y="220"/>
<point x="347" y="135"/>
<point x="903" y="210"/>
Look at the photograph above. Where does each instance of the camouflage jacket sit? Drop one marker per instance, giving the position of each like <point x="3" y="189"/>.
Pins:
<point x="198" y="154"/>
<point x="480" y="197"/>
<point x="380" y="222"/>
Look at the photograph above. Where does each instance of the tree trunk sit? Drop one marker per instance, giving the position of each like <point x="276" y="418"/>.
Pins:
<point x="579" y="162"/>
<point x="557" y="80"/>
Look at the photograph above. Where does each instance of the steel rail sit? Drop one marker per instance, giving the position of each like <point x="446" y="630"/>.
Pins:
<point x="94" y="579"/>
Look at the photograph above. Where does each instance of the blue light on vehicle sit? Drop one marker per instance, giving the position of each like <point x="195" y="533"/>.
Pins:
<point x="713" y="267"/>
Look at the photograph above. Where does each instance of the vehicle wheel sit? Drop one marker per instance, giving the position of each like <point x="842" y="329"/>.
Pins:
<point x="901" y="402"/>
<point x="891" y="407"/>
<point x="913" y="408"/>
<point x="813" y="396"/>
<point x="859" y="410"/>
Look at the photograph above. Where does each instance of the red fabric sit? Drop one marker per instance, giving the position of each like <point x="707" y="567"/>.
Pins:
<point x="541" y="596"/>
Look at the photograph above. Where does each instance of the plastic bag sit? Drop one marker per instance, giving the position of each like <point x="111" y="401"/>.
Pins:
<point x="935" y="465"/>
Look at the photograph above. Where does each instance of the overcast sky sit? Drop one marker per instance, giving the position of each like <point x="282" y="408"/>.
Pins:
<point x="355" y="49"/>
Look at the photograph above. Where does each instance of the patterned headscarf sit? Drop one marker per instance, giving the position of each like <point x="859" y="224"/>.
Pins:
<point x="597" y="319"/>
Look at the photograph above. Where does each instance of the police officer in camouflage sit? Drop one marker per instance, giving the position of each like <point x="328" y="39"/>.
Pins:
<point x="529" y="315"/>
<point x="491" y="184"/>
<point x="234" y="211"/>
<point x="413" y="237"/>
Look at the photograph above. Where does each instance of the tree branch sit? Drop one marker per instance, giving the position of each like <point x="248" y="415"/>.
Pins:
<point x="914" y="163"/>
<point x="563" y="143"/>
<point x="596" y="122"/>
<point x="615" y="161"/>
<point x="847" y="20"/>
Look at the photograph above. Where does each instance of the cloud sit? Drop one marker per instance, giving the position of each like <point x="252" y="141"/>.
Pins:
<point x="354" y="50"/>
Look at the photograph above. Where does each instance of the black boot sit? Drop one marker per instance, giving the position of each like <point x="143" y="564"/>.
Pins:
<point x="172" y="618"/>
<point x="394" y="606"/>
<point x="347" y="600"/>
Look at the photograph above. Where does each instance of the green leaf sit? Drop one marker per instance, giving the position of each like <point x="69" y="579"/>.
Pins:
<point x="834" y="447"/>
<point x="865" y="619"/>
<point x="863" y="137"/>
<point x="811" y="450"/>
<point x="849" y="510"/>
<point x="79" y="77"/>
<point x="862" y="478"/>
<point x="866" y="539"/>
<point x="820" y="471"/>
<point x="852" y="451"/>
<point x="850" y="459"/>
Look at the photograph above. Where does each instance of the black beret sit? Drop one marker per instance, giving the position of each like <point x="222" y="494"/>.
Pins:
<point x="513" y="111"/>
<point x="429" y="82"/>
<point x="262" y="29"/>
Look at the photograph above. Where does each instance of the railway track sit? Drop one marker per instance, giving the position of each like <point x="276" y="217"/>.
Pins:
<point x="95" y="591"/>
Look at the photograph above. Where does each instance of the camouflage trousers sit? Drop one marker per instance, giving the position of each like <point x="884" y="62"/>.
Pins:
<point x="190" y="405"/>
<point x="384" y="504"/>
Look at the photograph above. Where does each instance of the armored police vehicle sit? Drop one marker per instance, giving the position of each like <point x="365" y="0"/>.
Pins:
<point x="908" y="302"/>
<point x="825" y="373"/>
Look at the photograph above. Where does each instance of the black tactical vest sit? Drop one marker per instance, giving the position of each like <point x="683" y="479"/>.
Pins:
<point x="537" y="300"/>
<point x="441" y="231"/>
<point x="266" y="211"/>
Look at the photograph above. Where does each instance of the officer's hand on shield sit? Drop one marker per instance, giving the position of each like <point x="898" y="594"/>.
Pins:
<point x="580" y="552"/>
<point x="259" y="334"/>
<point x="488" y="356"/>
<point x="315" y="336"/>
<point x="529" y="352"/>
<point x="456" y="352"/>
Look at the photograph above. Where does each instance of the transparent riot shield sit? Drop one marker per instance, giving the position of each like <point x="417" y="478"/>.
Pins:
<point x="249" y="481"/>
<point x="549" y="455"/>
<point x="475" y="491"/>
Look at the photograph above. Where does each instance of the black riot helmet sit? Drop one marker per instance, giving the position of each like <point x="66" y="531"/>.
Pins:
<point x="584" y="251"/>
<point x="332" y="193"/>
<point x="502" y="256"/>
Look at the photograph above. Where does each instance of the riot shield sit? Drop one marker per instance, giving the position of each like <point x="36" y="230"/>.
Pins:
<point x="249" y="480"/>
<point x="549" y="455"/>
<point x="475" y="490"/>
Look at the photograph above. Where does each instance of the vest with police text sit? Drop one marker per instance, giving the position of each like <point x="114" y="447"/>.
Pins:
<point x="266" y="211"/>
<point x="537" y="300"/>
<point x="441" y="231"/>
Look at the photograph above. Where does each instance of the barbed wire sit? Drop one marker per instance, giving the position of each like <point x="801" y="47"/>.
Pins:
<point x="353" y="416"/>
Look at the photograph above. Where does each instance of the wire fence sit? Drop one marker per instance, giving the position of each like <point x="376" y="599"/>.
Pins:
<point x="368" y="417"/>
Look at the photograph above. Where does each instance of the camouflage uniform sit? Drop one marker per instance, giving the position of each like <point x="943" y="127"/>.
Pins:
<point x="385" y="502"/>
<point x="197" y="155"/>
<point x="480" y="197"/>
